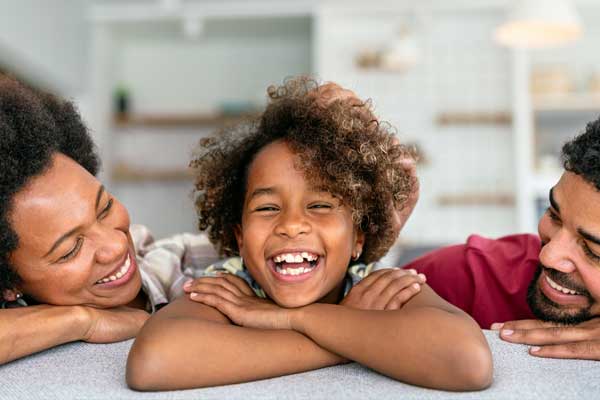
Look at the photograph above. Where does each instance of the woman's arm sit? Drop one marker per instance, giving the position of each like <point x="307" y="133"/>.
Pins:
<point x="27" y="330"/>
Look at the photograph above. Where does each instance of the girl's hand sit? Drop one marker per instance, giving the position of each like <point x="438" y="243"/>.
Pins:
<point x="231" y="295"/>
<point x="385" y="289"/>
<point x="112" y="324"/>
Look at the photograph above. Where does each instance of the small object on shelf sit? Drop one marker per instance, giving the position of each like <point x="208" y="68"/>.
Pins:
<point x="551" y="80"/>
<point x="122" y="102"/>
<point x="474" y="118"/>
<point x="182" y="120"/>
<point x="122" y="172"/>
<point x="477" y="199"/>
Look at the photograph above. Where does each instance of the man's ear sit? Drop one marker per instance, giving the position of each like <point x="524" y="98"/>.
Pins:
<point x="239" y="237"/>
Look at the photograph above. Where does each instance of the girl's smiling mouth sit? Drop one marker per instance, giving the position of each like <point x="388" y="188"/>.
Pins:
<point x="294" y="266"/>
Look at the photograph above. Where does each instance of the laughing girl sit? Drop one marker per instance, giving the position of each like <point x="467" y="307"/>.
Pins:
<point x="301" y="201"/>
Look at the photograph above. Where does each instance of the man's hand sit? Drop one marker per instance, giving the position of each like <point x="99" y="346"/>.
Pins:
<point x="553" y="340"/>
<point x="112" y="324"/>
<point x="233" y="297"/>
<point x="385" y="289"/>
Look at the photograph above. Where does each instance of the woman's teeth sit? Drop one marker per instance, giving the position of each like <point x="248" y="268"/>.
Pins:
<point x="122" y="271"/>
<point x="556" y="286"/>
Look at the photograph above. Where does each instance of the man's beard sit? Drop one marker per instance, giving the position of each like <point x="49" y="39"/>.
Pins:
<point x="547" y="310"/>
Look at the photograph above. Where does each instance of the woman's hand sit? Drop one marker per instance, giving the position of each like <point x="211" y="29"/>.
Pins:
<point x="385" y="289"/>
<point x="231" y="295"/>
<point x="112" y="324"/>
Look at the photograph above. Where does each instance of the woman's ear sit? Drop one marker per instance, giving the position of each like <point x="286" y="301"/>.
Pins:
<point x="11" y="294"/>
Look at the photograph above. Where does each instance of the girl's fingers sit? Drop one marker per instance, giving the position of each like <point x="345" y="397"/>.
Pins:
<point x="403" y="296"/>
<point x="221" y="281"/>
<point x="239" y="283"/>
<point x="213" y="289"/>
<point x="223" y="305"/>
<point x="397" y="285"/>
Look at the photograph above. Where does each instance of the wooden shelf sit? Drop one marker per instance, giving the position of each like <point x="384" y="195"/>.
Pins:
<point x="180" y="120"/>
<point x="567" y="102"/>
<point x="125" y="173"/>
<point x="474" y="118"/>
<point x="477" y="199"/>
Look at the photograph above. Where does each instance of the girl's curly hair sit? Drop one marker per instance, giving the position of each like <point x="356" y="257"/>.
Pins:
<point x="341" y="148"/>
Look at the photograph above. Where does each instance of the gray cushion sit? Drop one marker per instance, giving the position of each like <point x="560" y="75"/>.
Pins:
<point x="96" y="371"/>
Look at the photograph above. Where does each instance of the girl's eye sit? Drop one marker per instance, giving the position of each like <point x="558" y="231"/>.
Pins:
<point x="266" y="208"/>
<point x="106" y="209"/>
<point x="555" y="218"/>
<point x="73" y="252"/>
<point x="320" y="206"/>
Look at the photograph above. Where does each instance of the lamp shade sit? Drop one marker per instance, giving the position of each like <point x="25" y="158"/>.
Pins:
<point x="539" y="24"/>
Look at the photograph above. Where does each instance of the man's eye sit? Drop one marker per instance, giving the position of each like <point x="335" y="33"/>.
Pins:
<point x="73" y="252"/>
<point x="106" y="209"/>
<point x="552" y="215"/>
<point x="593" y="256"/>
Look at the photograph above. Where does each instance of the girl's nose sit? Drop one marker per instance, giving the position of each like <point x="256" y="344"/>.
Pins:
<point x="292" y="224"/>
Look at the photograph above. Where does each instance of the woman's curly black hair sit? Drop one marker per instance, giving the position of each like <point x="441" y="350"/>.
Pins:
<point x="33" y="127"/>
<point x="582" y="154"/>
<point x="341" y="148"/>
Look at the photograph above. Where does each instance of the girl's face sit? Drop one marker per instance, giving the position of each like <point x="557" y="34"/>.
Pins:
<point x="74" y="244"/>
<point x="296" y="241"/>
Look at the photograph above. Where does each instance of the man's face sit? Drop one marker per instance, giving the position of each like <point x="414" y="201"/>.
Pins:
<point x="566" y="287"/>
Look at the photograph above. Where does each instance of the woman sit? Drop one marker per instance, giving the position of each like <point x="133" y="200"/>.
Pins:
<point x="70" y="266"/>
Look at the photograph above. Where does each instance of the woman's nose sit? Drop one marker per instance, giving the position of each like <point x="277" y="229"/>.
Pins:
<point x="112" y="245"/>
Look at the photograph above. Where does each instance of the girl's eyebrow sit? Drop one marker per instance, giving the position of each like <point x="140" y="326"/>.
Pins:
<point x="262" y="192"/>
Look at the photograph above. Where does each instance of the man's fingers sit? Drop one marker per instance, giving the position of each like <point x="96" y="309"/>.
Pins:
<point x="584" y="350"/>
<point x="545" y="336"/>
<point x="523" y="324"/>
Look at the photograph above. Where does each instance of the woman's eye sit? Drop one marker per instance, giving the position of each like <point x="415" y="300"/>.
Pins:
<point x="106" y="209"/>
<point x="73" y="252"/>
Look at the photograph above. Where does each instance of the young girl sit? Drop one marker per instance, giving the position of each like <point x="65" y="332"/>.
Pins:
<point x="303" y="197"/>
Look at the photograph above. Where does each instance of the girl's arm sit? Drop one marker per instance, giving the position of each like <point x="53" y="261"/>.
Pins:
<point x="188" y="345"/>
<point x="185" y="345"/>
<point x="27" y="330"/>
<point x="428" y="342"/>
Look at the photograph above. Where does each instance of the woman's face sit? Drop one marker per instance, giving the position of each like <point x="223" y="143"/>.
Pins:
<point x="296" y="240"/>
<point x="74" y="243"/>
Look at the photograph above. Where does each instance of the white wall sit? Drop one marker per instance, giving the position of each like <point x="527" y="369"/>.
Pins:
<point x="461" y="70"/>
<point x="45" y="42"/>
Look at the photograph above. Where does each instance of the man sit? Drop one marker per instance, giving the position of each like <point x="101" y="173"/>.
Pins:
<point x="541" y="291"/>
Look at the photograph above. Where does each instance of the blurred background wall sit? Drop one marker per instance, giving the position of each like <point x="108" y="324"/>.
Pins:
<point x="488" y="118"/>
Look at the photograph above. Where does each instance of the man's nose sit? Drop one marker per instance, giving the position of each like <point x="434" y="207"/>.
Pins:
<point x="558" y="252"/>
<point x="292" y="224"/>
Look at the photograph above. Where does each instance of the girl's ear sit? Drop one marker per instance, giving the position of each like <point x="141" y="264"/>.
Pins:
<point x="359" y="242"/>
<point x="239" y="237"/>
<point x="11" y="295"/>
